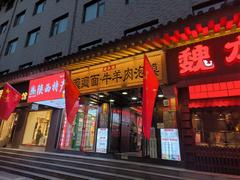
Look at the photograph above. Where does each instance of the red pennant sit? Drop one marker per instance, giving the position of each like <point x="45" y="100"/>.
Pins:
<point x="150" y="89"/>
<point x="71" y="97"/>
<point x="8" y="101"/>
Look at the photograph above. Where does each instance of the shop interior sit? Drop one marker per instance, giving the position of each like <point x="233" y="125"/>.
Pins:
<point x="120" y="112"/>
<point x="217" y="126"/>
<point x="37" y="128"/>
<point x="7" y="129"/>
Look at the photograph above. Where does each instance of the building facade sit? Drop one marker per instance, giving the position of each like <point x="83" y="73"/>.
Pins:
<point x="103" y="44"/>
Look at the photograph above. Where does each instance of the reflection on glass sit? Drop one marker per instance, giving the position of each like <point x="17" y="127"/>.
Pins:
<point x="217" y="127"/>
<point x="36" y="131"/>
<point x="6" y="129"/>
<point x="81" y="134"/>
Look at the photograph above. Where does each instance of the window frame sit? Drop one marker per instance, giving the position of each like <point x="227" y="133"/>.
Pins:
<point x="32" y="32"/>
<point x="3" y="25"/>
<point x="10" y="44"/>
<point x="99" y="3"/>
<point x="17" y="18"/>
<point x="57" y="23"/>
<point x="37" y="4"/>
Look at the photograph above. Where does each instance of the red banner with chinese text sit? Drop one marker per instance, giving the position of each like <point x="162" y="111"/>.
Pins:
<point x="46" y="88"/>
<point x="8" y="101"/>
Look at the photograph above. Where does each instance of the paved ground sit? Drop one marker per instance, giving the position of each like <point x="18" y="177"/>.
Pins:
<point x="8" y="176"/>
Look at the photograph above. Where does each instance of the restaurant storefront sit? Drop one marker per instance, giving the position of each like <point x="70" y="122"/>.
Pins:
<point x="109" y="119"/>
<point x="44" y="113"/>
<point x="11" y="129"/>
<point x="207" y="77"/>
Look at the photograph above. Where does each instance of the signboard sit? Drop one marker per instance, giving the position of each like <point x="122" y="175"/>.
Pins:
<point x="214" y="57"/>
<point x="170" y="144"/>
<point x="117" y="74"/>
<point x="46" y="88"/>
<point x="102" y="137"/>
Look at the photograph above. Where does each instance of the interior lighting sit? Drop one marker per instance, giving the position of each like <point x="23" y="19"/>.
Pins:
<point x="134" y="98"/>
<point x="124" y="92"/>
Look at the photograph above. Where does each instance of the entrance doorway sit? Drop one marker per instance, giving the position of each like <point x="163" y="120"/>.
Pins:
<point x="7" y="129"/>
<point x="37" y="127"/>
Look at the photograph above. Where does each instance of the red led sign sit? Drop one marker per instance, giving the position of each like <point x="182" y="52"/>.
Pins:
<point x="46" y="88"/>
<point x="214" y="90"/>
<point x="216" y="57"/>
<point x="234" y="48"/>
<point x="195" y="60"/>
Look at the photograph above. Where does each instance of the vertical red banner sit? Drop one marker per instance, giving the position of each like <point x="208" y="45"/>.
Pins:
<point x="150" y="89"/>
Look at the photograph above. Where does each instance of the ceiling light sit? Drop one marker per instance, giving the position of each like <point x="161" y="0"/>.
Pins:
<point x="101" y="95"/>
<point x="111" y="100"/>
<point x="160" y="95"/>
<point x="124" y="93"/>
<point x="134" y="98"/>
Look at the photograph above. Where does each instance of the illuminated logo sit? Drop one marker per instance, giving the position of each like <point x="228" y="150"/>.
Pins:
<point x="195" y="60"/>
<point x="234" y="49"/>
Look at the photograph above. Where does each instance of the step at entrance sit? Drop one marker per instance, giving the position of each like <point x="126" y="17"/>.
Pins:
<point x="44" y="165"/>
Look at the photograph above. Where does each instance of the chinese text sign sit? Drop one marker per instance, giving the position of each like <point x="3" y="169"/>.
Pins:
<point x="46" y="88"/>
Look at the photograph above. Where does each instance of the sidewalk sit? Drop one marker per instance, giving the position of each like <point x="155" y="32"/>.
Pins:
<point x="8" y="176"/>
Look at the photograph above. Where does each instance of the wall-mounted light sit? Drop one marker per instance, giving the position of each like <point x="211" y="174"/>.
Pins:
<point x="134" y="98"/>
<point x="101" y="95"/>
<point x="124" y="92"/>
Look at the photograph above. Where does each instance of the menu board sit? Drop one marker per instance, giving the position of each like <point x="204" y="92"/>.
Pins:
<point x="102" y="138"/>
<point x="170" y="144"/>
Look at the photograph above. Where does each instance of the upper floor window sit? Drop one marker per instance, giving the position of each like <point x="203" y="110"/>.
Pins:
<point x="11" y="47"/>
<point x="59" y="25"/>
<point x="206" y="5"/>
<point x="93" y="10"/>
<point x="3" y="27"/>
<point x="19" y="18"/>
<point x="39" y="7"/>
<point x="32" y="37"/>
<point x="9" y="5"/>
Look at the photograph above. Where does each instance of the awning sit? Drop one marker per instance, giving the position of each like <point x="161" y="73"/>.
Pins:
<point x="216" y="102"/>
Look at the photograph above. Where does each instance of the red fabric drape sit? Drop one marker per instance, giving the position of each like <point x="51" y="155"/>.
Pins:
<point x="150" y="88"/>
<point x="8" y="101"/>
<point x="71" y="97"/>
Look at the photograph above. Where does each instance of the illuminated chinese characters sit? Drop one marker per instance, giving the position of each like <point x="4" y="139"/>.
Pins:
<point x="114" y="75"/>
<point x="234" y="48"/>
<point x="198" y="58"/>
<point x="46" y="88"/>
<point x="195" y="60"/>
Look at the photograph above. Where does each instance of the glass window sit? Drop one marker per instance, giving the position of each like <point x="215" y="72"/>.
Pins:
<point x="36" y="131"/>
<point x="6" y="128"/>
<point x="32" y="37"/>
<point x="93" y="10"/>
<point x="3" y="27"/>
<point x="217" y="126"/>
<point x="9" y="5"/>
<point x="11" y="47"/>
<point x="39" y="7"/>
<point x="59" y="25"/>
<point x="19" y="18"/>
<point x="82" y="133"/>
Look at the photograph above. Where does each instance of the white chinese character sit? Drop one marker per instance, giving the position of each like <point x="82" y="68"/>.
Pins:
<point x="33" y="90"/>
<point x="47" y="88"/>
<point x="55" y="86"/>
<point x="61" y="85"/>
<point x="40" y="89"/>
